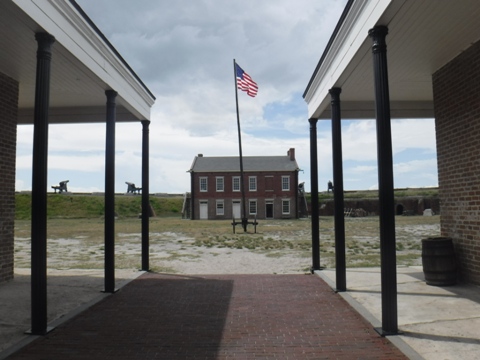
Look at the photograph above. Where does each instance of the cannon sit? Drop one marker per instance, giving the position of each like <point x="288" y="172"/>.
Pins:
<point x="61" y="187"/>
<point x="330" y="186"/>
<point x="132" y="189"/>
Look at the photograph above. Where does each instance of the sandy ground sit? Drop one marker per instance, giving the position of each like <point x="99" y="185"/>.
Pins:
<point x="236" y="261"/>
<point x="280" y="247"/>
<point x="70" y="287"/>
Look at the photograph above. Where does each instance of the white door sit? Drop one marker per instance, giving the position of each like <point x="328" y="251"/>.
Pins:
<point x="236" y="211"/>
<point x="203" y="210"/>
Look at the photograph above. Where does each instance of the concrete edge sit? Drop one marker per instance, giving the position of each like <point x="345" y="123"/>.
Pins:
<point x="396" y="340"/>
<point x="63" y="319"/>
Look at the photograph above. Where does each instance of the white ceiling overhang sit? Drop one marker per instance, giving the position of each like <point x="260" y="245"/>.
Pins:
<point x="84" y="64"/>
<point x="424" y="35"/>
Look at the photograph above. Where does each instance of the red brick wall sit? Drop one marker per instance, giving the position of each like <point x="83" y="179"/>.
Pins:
<point x="8" y="139"/>
<point x="261" y="195"/>
<point x="456" y="89"/>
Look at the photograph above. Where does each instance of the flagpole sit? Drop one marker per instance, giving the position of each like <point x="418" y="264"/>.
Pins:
<point x="242" y="185"/>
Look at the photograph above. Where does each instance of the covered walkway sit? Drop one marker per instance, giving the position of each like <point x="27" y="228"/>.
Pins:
<point x="160" y="316"/>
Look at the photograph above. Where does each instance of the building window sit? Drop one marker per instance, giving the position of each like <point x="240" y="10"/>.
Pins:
<point x="285" y="183"/>
<point x="203" y="184"/>
<point x="220" y="207"/>
<point x="252" y="207"/>
<point x="236" y="183"/>
<point x="220" y="183"/>
<point x="252" y="183"/>
<point x="285" y="207"/>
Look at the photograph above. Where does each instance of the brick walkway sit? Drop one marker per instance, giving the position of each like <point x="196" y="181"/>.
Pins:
<point x="216" y="317"/>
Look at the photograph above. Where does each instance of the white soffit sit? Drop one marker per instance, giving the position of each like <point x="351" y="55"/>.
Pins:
<point x="424" y="35"/>
<point x="83" y="66"/>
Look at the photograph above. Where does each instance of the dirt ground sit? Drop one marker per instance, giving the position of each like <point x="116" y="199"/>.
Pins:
<point x="211" y="247"/>
<point x="76" y="255"/>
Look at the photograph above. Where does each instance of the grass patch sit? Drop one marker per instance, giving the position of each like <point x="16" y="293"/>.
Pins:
<point x="74" y="206"/>
<point x="79" y="243"/>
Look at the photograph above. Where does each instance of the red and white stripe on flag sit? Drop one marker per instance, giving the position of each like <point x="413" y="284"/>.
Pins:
<point x="245" y="82"/>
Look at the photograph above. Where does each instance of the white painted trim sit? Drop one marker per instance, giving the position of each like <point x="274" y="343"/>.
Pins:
<point x="351" y="39"/>
<point x="398" y="110"/>
<point x="70" y="115"/>
<point x="60" y="19"/>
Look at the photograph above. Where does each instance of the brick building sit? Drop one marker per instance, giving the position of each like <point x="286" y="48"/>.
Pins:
<point x="456" y="90"/>
<point x="432" y="49"/>
<point x="57" y="67"/>
<point x="50" y="73"/>
<point x="271" y="187"/>
<point x="8" y="136"/>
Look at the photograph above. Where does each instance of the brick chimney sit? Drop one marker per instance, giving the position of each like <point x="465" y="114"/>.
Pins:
<point x="291" y="154"/>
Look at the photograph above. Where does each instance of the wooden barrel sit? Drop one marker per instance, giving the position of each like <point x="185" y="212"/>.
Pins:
<point x="438" y="259"/>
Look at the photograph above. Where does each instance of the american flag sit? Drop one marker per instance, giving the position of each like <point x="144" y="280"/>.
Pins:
<point x="245" y="82"/>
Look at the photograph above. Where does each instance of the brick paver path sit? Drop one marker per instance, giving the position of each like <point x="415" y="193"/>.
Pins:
<point x="217" y="317"/>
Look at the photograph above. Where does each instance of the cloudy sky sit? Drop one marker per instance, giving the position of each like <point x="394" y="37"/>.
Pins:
<point x="183" y="51"/>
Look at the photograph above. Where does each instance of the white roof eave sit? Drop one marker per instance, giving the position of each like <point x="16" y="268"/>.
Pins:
<point x="60" y="19"/>
<point x="351" y="39"/>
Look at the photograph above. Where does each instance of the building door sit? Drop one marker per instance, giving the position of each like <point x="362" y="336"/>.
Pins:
<point x="269" y="209"/>
<point x="236" y="209"/>
<point x="203" y="210"/>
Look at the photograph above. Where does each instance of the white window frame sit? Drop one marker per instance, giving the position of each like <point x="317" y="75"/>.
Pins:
<point x="220" y="207"/>
<point x="286" y="201"/>
<point x="285" y="183"/>
<point x="201" y="178"/>
<point x="234" y="178"/>
<point x="252" y="183"/>
<point x="254" y="203"/>
<point x="219" y="184"/>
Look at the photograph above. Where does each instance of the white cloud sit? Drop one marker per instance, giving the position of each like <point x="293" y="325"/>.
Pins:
<point x="412" y="133"/>
<point x="20" y="185"/>
<point x="183" y="51"/>
<point x="415" y="166"/>
<point x="359" y="140"/>
<point x="363" y="169"/>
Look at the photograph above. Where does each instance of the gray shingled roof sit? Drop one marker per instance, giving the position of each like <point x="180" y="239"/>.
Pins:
<point x="250" y="163"/>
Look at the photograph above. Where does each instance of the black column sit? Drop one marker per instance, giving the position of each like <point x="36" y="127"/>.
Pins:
<point x="340" y="263"/>
<point x="110" y="193"/>
<point x="314" y="196"/>
<point x="192" y="196"/>
<point x="297" y="200"/>
<point x="145" y="196"/>
<point x="385" y="183"/>
<point x="39" y="184"/>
